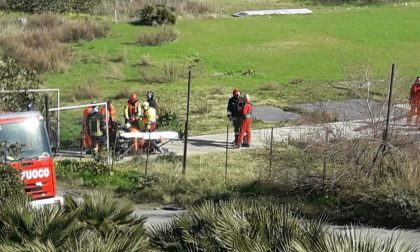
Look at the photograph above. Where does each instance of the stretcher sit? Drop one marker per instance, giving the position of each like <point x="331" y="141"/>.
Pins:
<point x="135" y="141"/>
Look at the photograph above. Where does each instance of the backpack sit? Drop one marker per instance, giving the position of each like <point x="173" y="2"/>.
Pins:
<point x="95" y="124"/>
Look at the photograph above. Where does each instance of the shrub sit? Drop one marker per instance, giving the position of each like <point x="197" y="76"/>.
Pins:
<point x="86" y="91"/>
<point x="37" y="46"/>
<point x="271" y="86"/>
<point x="58" y="6"/>
<point x="15" y="77"/>
<point x="168" y="120"/>
<point x="260" y="226"/>
<point x="170" y="72"/>
<point x="159" y="37"/>
<point x="3" y="4"/>
<point x="11" y="185"/>
<point x="45" y="21"/>
<point x="156" y="15"/>
<point x="37" y="50"/>
<point x="96" y="223"/>
<point x="75" y="31"/>
<point x="123" y="94"/>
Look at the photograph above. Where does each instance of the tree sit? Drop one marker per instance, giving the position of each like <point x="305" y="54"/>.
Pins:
<point x="15" y="77"/>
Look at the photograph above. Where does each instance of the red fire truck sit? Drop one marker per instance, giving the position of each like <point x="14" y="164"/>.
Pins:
<point x="26" y="132"/>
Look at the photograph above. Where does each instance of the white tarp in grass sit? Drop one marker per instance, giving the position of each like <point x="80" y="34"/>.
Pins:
<point x="272" y="12"/>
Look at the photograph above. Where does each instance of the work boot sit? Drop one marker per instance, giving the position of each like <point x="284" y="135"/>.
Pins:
<point x="246" y="145"/>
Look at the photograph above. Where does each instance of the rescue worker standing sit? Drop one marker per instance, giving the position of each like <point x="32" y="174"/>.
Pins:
<point x="414" y="102"/>
<point x="87" y="141"/>
<point x="246" y="125"/>
<point x="149" y="117"/>
<point x="234" y="107"/>
<point x="96" y="128"/>
<point x="112" y="122"/>
<point x="132" y="112"/>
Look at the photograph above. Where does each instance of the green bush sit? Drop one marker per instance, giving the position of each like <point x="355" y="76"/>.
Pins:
<point x="156" y="15"/>
<point x="95" y="223"/>
<point x="15" y="77"/>
<point x="57" y="6"/>
<point x="261" y="226"/>
<point x="11" y="185"/>
<point x="168" y="120"/>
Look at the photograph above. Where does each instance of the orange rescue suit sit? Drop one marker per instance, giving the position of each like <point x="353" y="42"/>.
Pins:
<point x="87" y="141"/>
<point x="246" y="125"/>
<point x="414" y="104"/>
<point x="111" y="113"/>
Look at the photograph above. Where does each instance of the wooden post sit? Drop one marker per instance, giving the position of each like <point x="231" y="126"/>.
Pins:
<point x="385" y="134"/>
<point x="271" y="153"/>
<point x="184" y="163"/>
<point x="227" y="150"/>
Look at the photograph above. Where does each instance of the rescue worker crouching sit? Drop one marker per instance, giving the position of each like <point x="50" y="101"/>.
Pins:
<point x="132" y="112"/>
<point x="149" y="117"/>
<point x="234" y="107"/>
<point x="414" y="103"/>
<point x="96" y="128"/>
<point x="246" y="125"/>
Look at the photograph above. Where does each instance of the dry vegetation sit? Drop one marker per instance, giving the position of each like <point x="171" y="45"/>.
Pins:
<point x="42" y="43"/>
<point x="128" y="9"/>
<point x="86" y="91"/>
<point x="159" y="37"/>
<point x="351" y="179"/>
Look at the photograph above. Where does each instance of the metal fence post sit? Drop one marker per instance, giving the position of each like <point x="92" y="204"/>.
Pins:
<point x="184" y="163"/>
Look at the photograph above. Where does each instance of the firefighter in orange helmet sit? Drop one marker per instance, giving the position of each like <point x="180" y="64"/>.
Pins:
<point x="132" y="112"/>
<point x="414" y="102"/>
<point x="246" y="125"/>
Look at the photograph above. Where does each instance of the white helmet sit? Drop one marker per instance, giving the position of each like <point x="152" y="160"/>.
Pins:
<point x="127" y="126"/>
<point x="145" y="105"/>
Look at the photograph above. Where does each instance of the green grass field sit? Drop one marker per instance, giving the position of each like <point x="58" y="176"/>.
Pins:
<point x="305" y="55"/>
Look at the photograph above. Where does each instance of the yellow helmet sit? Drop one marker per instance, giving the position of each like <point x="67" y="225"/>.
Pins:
<point x="145" y="105"/>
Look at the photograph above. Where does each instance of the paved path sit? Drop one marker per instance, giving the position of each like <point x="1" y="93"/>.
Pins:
<point x="212" y="143"/>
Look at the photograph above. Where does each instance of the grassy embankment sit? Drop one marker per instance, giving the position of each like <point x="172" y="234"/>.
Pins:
<point x="279" y="60"/>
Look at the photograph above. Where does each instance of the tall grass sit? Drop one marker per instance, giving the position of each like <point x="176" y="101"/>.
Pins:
<point x="161" y="36"/>
<point x="41" y="44"/>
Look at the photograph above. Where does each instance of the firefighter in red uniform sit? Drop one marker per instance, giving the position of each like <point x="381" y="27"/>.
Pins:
<point x="132" y="112"/>
<point x="414" y="102"/>
<point x="87" y="140"/>
<point x="112" y="121"/>
<point x="246" y="124"/>
<point x="111" y="112"/>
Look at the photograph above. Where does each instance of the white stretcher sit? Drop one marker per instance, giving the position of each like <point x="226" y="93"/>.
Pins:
<point x="156" y="135"/>
<point x="156" y="140"/>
